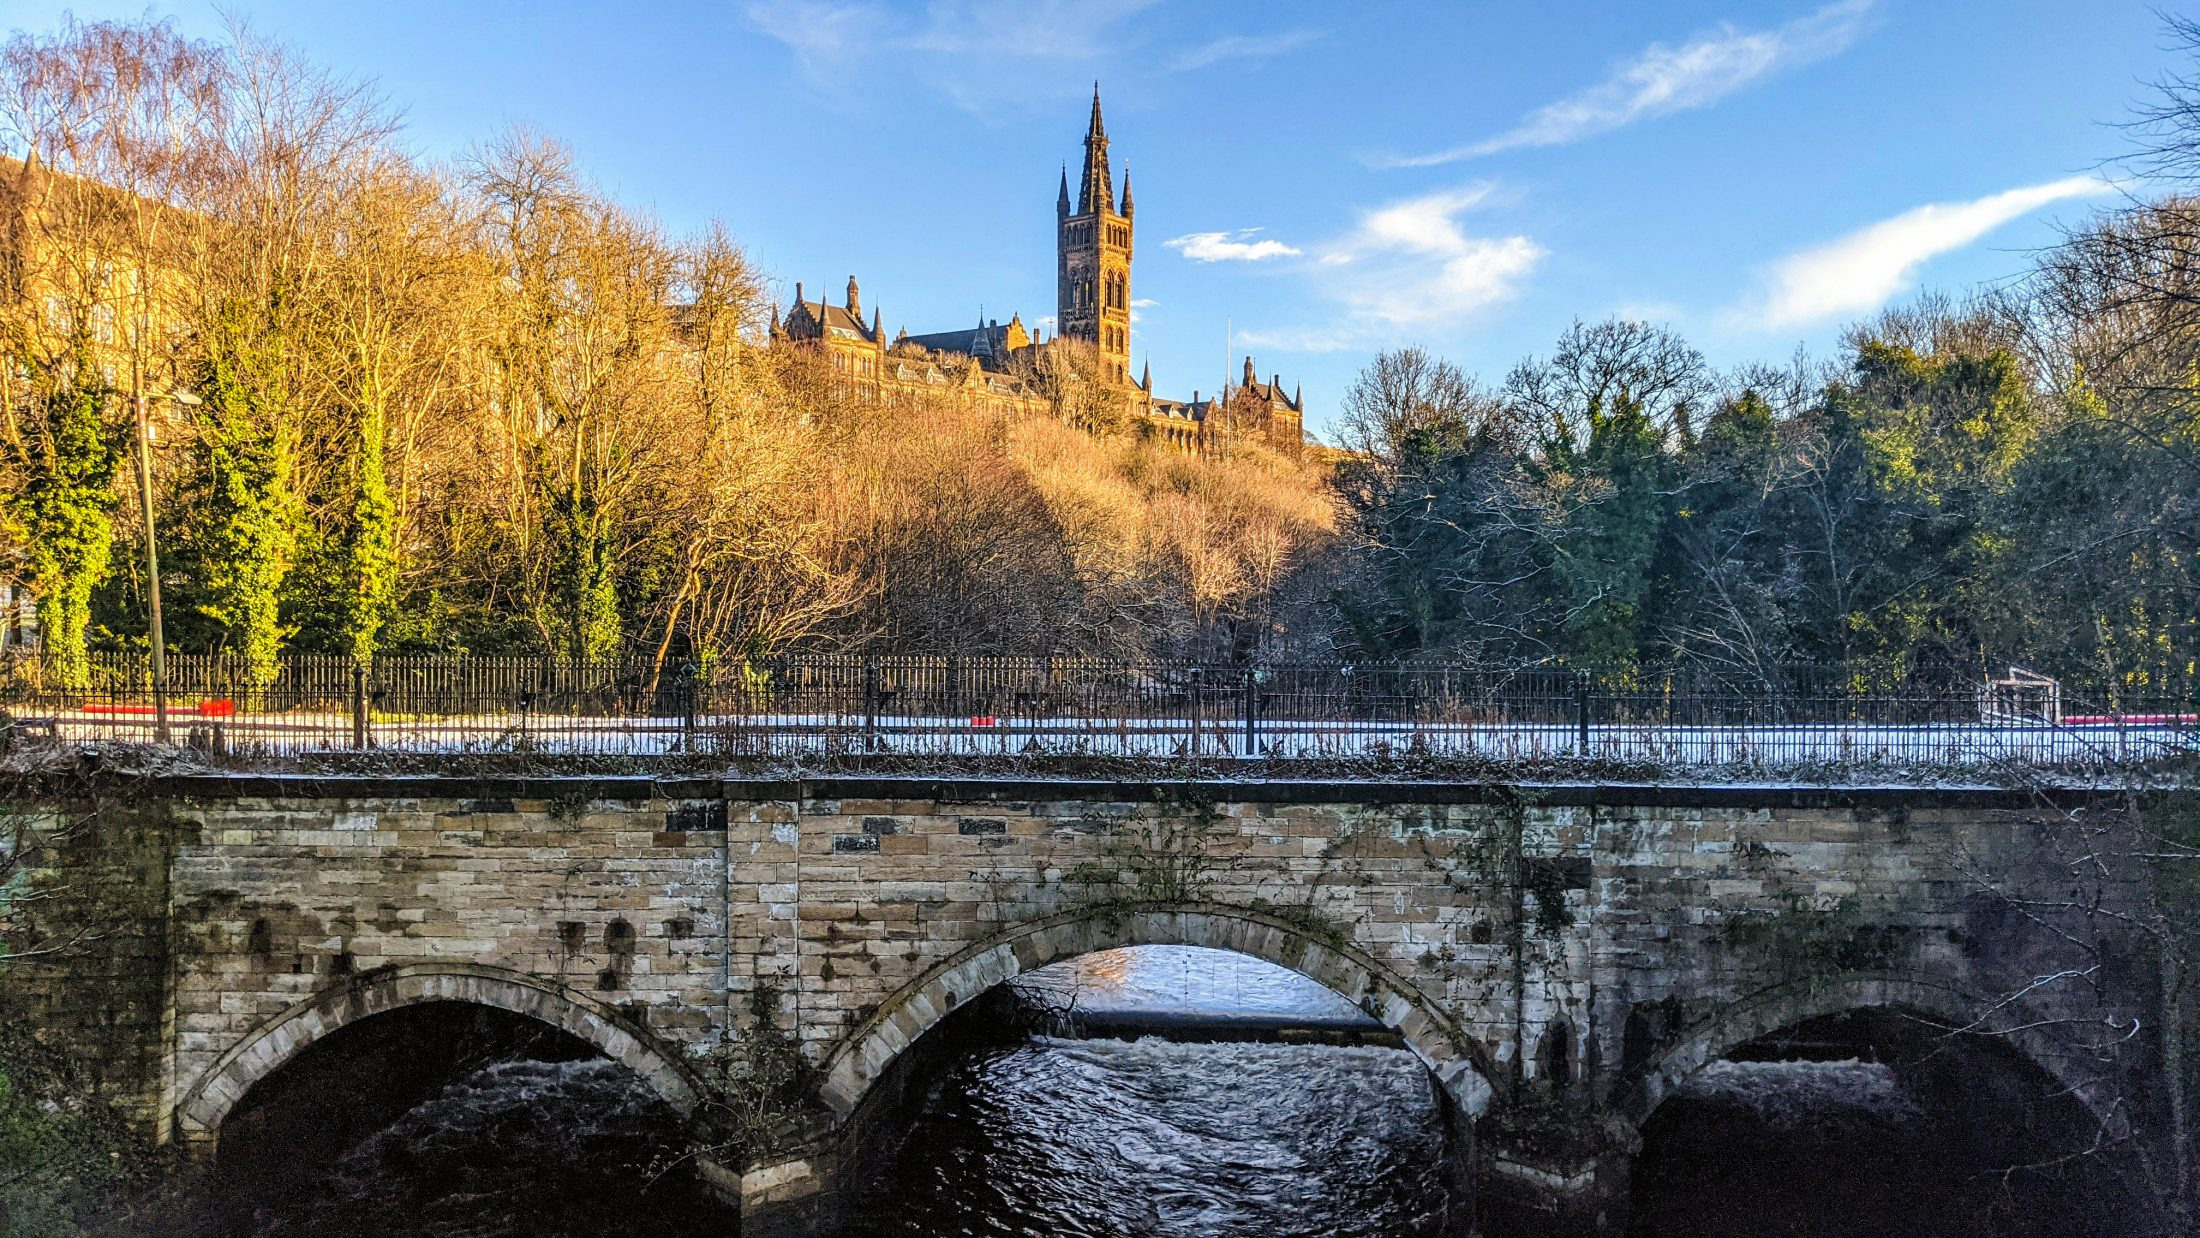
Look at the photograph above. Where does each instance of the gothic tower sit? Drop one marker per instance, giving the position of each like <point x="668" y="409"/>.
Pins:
<point x="1093" y="293"/>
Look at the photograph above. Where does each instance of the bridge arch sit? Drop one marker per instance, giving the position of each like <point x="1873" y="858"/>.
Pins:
<point x="870" y="1050"/>
<point x="1786" y="1005"/>
<point x="279" y="1039"/>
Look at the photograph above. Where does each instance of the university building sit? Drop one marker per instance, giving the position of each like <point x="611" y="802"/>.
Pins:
<point x="997" y="365"/>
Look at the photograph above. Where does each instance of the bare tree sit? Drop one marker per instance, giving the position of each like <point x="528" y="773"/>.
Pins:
<point x="1407" y="392"/>
<point x="1595" y="366"/>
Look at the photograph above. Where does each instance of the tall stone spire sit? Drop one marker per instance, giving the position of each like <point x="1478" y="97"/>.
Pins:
<point x="1096" y="192"/>
<point x="1127" y="207"/>
<point x="1061" y="202"/>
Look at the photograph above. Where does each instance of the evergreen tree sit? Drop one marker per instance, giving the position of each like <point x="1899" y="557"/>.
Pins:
<point x="65" y="455"/>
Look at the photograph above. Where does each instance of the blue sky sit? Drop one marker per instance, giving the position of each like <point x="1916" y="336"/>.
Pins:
<point x="1325" y="179"/>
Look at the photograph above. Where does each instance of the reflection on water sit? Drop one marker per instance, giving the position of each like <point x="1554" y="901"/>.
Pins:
<point x="1221" y="991"/>
<point x="1100" y="1137"/>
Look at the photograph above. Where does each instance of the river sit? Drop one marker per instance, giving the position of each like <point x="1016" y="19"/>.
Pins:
<point x="1063" y="1133"/>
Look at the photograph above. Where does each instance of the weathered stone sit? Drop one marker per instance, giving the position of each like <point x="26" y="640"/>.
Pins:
<point x="255" y="927"/>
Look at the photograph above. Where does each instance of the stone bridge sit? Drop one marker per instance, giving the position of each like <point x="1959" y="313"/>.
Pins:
<point x="1559" y="956"/>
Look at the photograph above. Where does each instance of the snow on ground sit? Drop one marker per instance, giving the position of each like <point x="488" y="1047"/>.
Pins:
<point x="768" y="735"/>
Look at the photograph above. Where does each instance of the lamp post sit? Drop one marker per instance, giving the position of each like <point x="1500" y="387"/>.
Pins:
<point x="152" y="568"/>
<point x="152" y="554"/>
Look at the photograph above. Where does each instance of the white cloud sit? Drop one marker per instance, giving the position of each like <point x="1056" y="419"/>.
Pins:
<point x="1229" y="246"/>
<point x="1242" y="47"/>
<point x="1661" y="80"/>
<point x="1409" y="266"/>
<point x="1864" y="270"/>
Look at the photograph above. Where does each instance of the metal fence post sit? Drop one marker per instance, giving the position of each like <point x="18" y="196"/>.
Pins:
<point x="870" y="703"/>
<point x="1252" y="712"/>
<point x="1581" y="712"/>
<point x="692" y="672"/>
<point x="358" y="706"/>
<point x="1198" y="675"/>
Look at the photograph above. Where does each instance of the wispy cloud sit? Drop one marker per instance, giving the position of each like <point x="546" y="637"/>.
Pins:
<point x="977" y="51"/>
<point x="1661" y="79"/>
<point x="1242" y="47"/>
<point x="1864" y="270"/>
<point x="817" y="32"/>
<point x="1229" y="246"/>
<point x="1409" y="266"/>
<point x="1059" y="30"/>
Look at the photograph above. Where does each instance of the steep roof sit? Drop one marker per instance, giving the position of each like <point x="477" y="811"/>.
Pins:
<point x="991" y="341"/>
<point x="808" y="318"/>
<point x="1270" y="392"/>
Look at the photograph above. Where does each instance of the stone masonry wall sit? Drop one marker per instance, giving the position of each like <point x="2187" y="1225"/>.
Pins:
<point x="1573" y="934"/>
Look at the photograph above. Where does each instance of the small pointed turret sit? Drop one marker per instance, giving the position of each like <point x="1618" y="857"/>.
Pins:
<point x="1145" y="377"/>
<point x="876" y="326"/>
<point x="775" y="320"/>
<point x="981" y="344"/>
<point x="1298" y="398"/>
<point x="1061" y="202"/>
<point x="1128" y="209"/>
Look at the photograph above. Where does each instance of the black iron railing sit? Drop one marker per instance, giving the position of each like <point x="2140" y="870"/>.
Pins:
<point x="797" y="704"/>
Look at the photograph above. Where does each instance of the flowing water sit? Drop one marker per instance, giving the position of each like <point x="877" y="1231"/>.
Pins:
<point x="517" y="1150"/>
<point x="1145" y="1134"/>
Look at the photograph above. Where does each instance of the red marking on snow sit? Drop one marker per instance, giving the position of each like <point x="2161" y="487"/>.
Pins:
<point x="204" y="709"/>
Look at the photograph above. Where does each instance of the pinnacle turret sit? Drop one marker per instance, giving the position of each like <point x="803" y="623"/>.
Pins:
<point x="1096" y="192"/>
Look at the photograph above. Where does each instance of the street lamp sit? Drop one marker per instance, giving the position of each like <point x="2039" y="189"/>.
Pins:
<point x="152" y="554"/>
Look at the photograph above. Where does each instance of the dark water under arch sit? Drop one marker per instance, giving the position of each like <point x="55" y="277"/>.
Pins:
<point x="458" y="1121"/>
